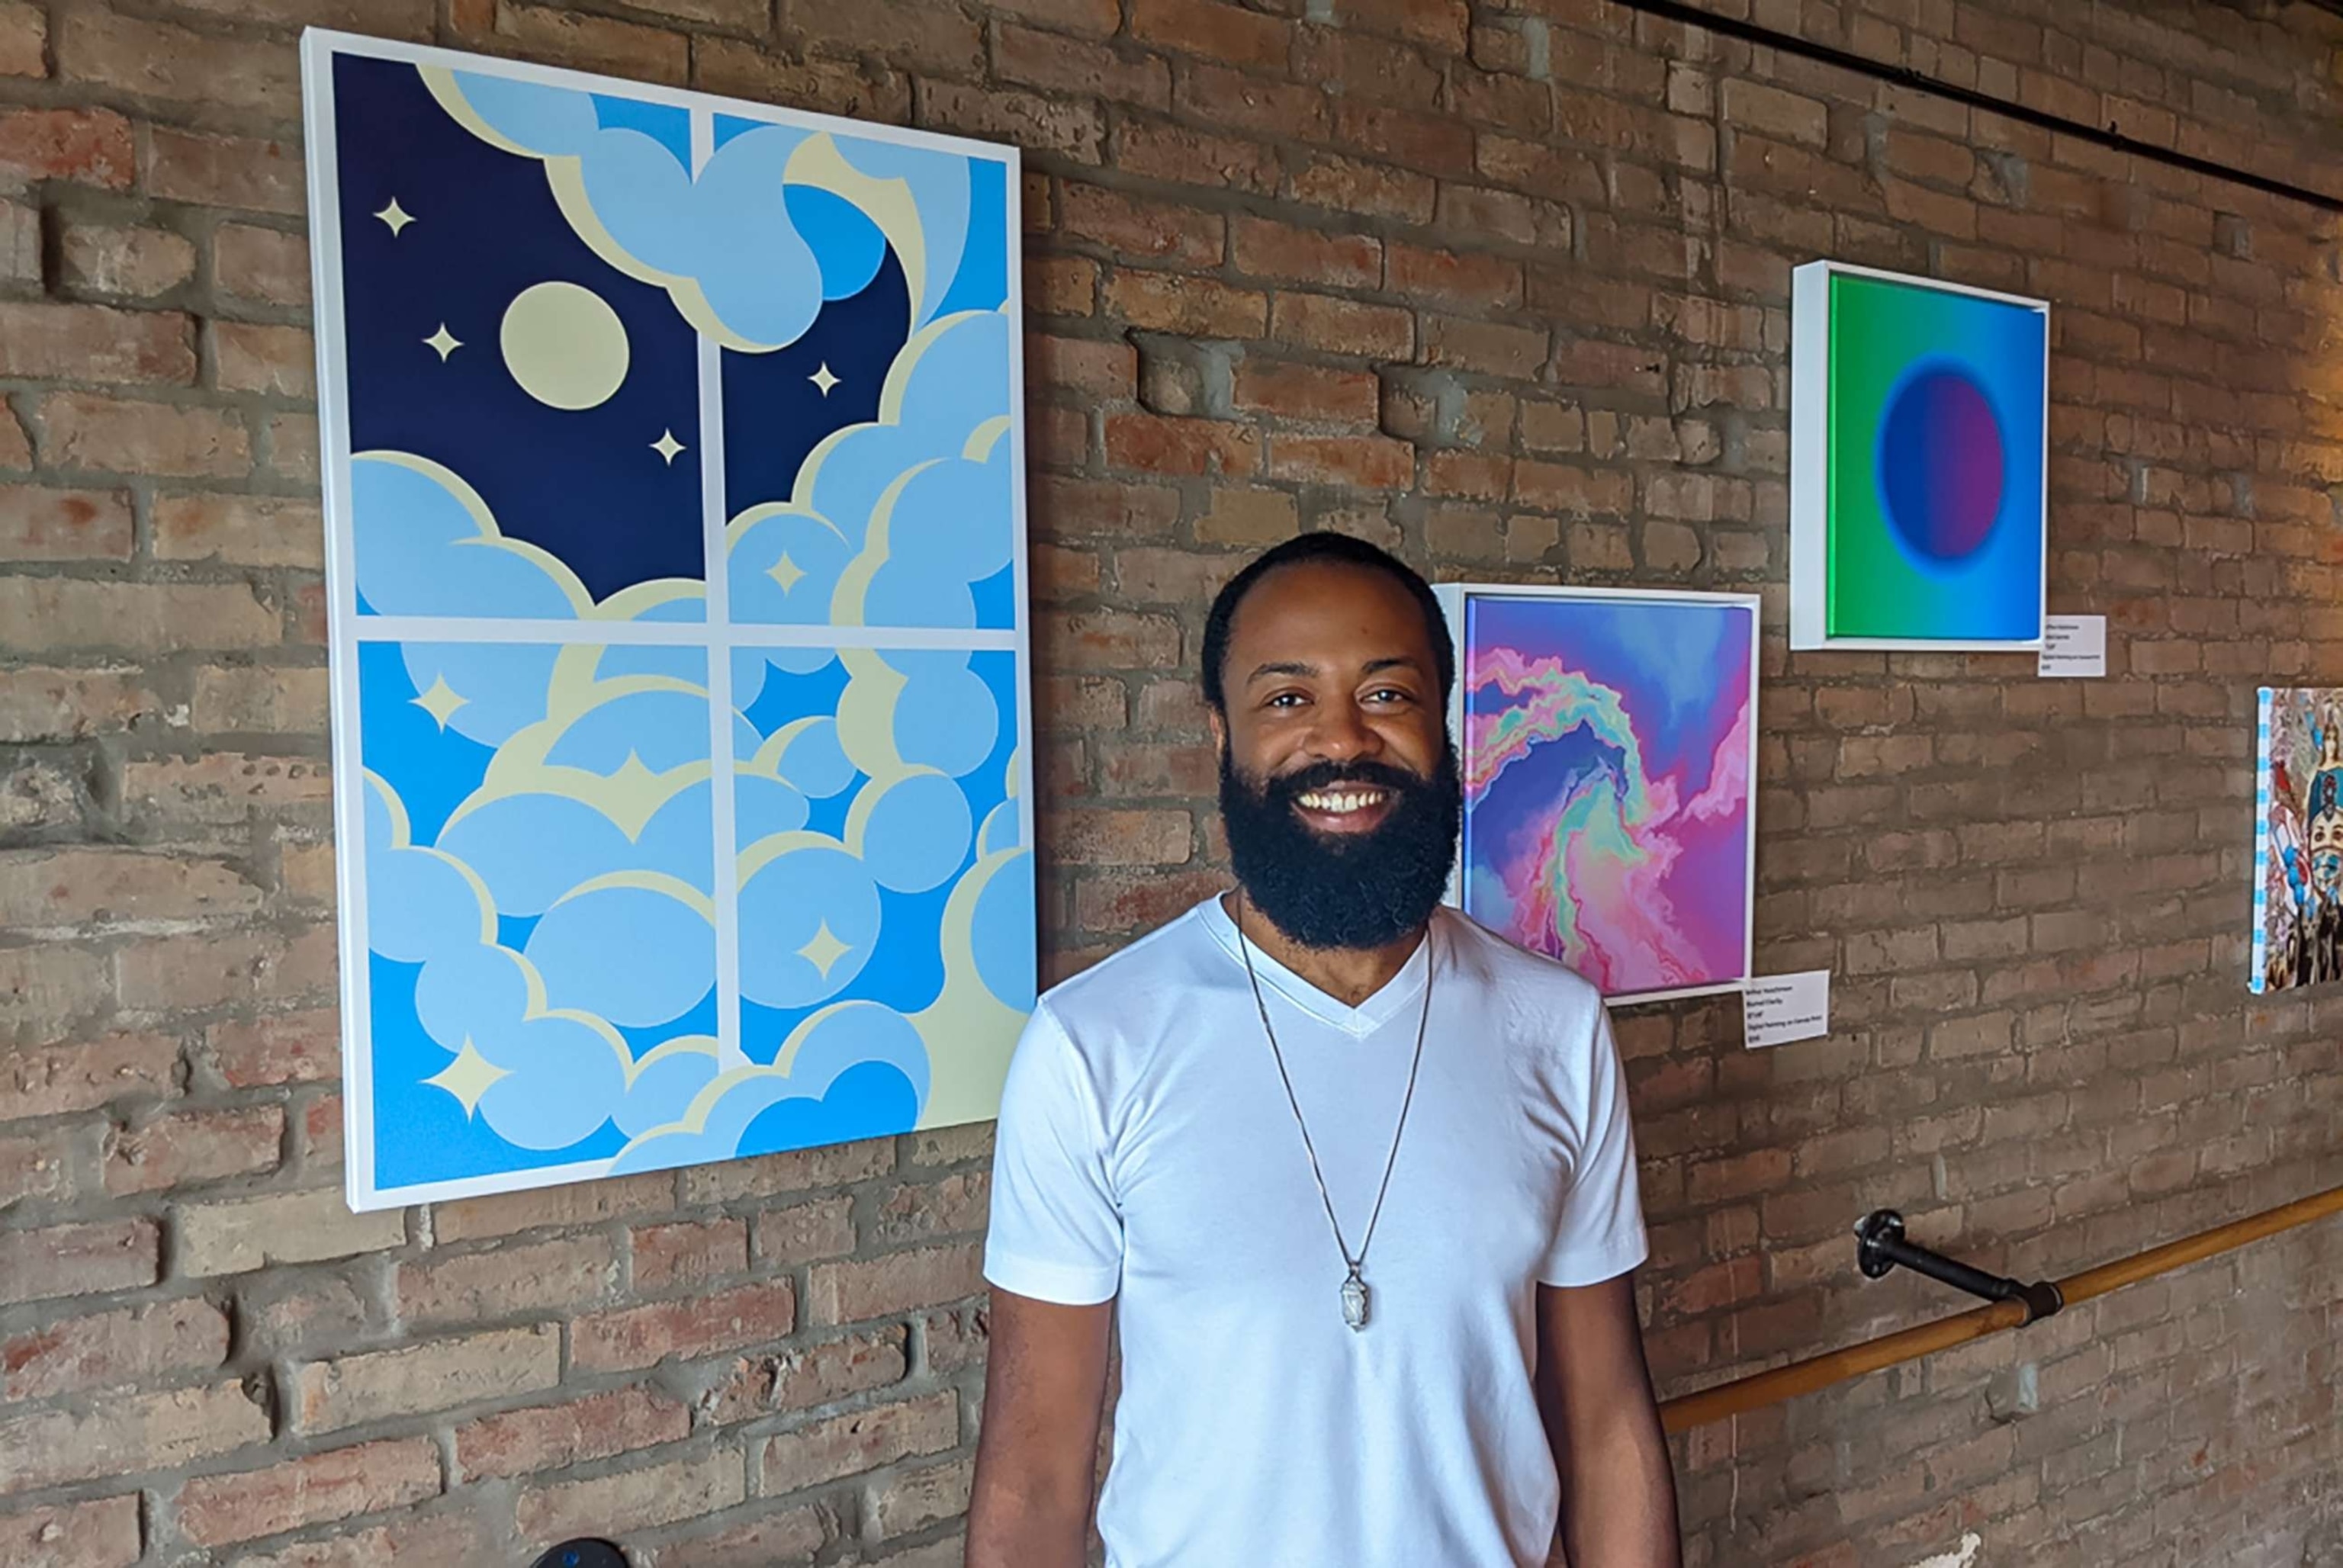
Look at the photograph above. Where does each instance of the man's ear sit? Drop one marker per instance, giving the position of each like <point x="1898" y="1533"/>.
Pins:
<point x="1219" y="724"/>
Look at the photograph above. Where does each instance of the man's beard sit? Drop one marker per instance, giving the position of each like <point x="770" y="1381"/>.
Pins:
<point x="1359" y="890"/>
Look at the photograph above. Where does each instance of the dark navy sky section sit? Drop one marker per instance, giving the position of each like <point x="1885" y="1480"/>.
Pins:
<point x="774" y="414"/>
<point x="585" y="485"/>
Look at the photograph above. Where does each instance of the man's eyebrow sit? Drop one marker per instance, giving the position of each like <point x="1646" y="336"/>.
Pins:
<point x="1281" y="667"/>
<point x="1404" y="661"/>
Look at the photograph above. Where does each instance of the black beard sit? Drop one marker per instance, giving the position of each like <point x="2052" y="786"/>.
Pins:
<point x="1363" y="891"/>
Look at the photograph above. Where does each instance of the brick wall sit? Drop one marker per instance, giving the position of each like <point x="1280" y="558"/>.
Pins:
<point x="1501" y="284"/>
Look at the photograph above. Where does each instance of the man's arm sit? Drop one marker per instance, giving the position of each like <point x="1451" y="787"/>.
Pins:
<point x="1044" y="1386"/>
<point x="1618" y="1491"/>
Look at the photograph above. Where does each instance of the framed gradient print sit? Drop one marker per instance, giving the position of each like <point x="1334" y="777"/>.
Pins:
<point x="1608" y="742"/>
<point x="673" y="471"/>
<point x="1919" y="451"/>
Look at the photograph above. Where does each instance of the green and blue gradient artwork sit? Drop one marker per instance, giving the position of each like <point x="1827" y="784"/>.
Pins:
<point x="676" y="570"/>
<point x="1919" y="440"/>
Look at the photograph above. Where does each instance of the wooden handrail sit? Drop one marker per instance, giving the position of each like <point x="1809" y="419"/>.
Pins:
<point x="1820" y="1371"/>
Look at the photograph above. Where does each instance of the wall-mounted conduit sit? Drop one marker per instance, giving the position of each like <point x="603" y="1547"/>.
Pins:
<point x="1821" y="1372"/>
<point x="2107" y="136"/>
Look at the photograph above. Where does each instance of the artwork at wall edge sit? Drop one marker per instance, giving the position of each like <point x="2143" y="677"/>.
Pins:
<point x="673" y="462"/>
<point x="1919" y="449"/>
<point x="1608" y="739"/>
<point x="2298" y="837"/>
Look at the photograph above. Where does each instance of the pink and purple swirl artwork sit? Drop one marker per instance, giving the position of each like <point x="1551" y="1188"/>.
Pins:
<point x="1608" y="751"/>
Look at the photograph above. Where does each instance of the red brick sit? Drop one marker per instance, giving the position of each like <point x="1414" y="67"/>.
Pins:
<point x="23" y="50"/>
<point x="1358" y="186"/>
<point x="1152" y="444"/>
<point x="38" y="524"/>
<point x="196" y="972"/>
<point x="788" y="1536"/>
<point x="1474" y="282"/>
<point x="508" y="1280"/>
<point x="283" y="1048"/>
<point x="127" y="1435"/>
<point x="72" y="886"/>
<point x="194" y="1146"/>
<point x="155" y="60"/>
<point x="223" y="786"/>
<point x="338" y="1483"/>
<point x="1074" y="129"/>
<point x="1207" y="27"/>
<point x="109" y="1350"/>
<point x="1102" y="837"/>
<point x="1268" y="249"/>
<point x="1154" y="149"/>
<point x="557" y="1436"/>
<point x="82" y="430"/>
<point x="642" y="1336"/>
<point x="1363" y="462"/>
<point x="132" y="262"/>
<point x="463" y="1536"/>
<point x="688" y="1252"/>
<point x="867" y="1288"/>
<point x="1194" y="307"/>
<point x="804" y="1232"/>
<point x="808" y="1375"/>
<point x="100" y="1534"/>
<point x="1135" y="227"/>
<point x="43" y="341"/>
<point x="253" y="357"/>
<point x="1306" y="392"/>
<point x="87" y="146"/>
<point x="265" y="264"/>
<point x="1072" y="66"/>
<point x="224" y="171"/>
<point x="798" y="1170"/>
<point x="1342" y="326"/>
<point x="77" y="1260"/>
<point x="860" y="1440"/>
<point x="237" y="1236"/>
<point x="38" y="1167"/>
<point x="414" y="1380"/>
<point x="908" y="1500"/>
<point x="630" y="1500"/>
<point x="857" y="89"/>
<point x="1236" y="101"/>
<point x="1095" y="368"/>
<point x="957" y="1206"/>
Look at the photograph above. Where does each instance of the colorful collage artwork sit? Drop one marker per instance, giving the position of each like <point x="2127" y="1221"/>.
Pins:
<point x="2298" y="838"/>
<point x="676" y="560"/>
<point x="1919" y="445"/>
<point x="1609" y="748"/>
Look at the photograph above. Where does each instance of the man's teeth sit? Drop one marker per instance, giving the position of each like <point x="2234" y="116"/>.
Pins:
<point x="1340" y="802"/>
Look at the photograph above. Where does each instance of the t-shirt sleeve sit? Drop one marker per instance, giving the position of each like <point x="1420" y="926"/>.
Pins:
<point x="1600" y="1235"/>
<point x="1056" y="1233"/>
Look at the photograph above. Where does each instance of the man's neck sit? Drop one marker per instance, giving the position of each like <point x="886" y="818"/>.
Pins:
<point x="1348" y="974"/>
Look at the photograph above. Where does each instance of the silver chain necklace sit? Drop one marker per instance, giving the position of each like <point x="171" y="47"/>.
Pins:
<point x="1354" y="1284"/>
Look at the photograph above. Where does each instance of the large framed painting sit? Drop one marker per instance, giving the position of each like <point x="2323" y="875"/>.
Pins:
<point x="673" y="471"/>
<point x="1608" y="739"/>
<point x="2298" y="837"/>
<point x="1919" y="463"/>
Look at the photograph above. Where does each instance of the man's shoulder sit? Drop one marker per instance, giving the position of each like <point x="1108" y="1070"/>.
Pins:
<point x="1528" y="981"/>
<point x="1164" y="959"/>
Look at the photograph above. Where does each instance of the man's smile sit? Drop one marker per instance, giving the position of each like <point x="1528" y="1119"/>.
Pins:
<point x="1345" y="807"/>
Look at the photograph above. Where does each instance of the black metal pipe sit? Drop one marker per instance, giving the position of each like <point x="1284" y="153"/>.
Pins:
<point x="1880" y="1249"/>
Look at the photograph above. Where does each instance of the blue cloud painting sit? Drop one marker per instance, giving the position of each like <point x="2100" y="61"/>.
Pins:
<point x="676" y="528"/>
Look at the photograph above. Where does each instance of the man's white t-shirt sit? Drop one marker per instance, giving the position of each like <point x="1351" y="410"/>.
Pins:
<point x="1147" y="1153"/>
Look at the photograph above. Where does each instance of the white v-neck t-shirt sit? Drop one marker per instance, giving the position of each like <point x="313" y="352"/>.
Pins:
<point x="1147" y="1153"/>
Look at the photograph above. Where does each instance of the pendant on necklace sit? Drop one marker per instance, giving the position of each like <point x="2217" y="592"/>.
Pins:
<point x="1354" y="1302"/>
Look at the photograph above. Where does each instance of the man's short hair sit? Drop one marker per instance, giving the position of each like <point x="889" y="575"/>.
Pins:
<point x="1326" y="546"/>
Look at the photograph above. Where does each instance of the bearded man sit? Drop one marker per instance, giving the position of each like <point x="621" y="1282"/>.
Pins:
<point x="1353" y="1176"/>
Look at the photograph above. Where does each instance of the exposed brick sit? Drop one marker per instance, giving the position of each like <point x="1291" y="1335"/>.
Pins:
<point x="77" y="1260"/>
<point x="87" y="146"/>
<point x="109" y="1350"/>
<point x="283" y="1048"/>
<point x="39" y="524"/>
<point x="94" y="343"/>
<point x="631" y="1500"/>
<point x="267" y="266"/>
<point x="185" y="1147"/>
<point x="862" y="1289"/>
<point x="224" y="171"/>
<point x="642" y="1336"/>
<point x="82" y="430"/>
<point x="557" y="1436"/>
<point x="99" y="1535"/>
<point x="236" y="1235"/>
<point x="786" y="1536"/>
<point x="863" y="1440"/>
<point x="508" y="1280"/>
<point x="808" y="1375"/>
<point x="126" y="1435"/>
<point x="438" y="1374"/>
<point x="338" y="1483"/>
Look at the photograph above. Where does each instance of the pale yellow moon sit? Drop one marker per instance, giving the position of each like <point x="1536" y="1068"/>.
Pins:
<point x="564" y="345"/>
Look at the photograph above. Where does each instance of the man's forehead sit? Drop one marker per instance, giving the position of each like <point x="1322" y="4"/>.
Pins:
<point x="1330" y="612"/>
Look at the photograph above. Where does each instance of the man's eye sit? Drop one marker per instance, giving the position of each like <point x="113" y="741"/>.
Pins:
<point x="1286" y="700"/>
<point x="1388" y="694"/>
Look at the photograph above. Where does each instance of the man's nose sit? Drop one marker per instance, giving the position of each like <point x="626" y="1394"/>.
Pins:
<point x="1343" y="733"/>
